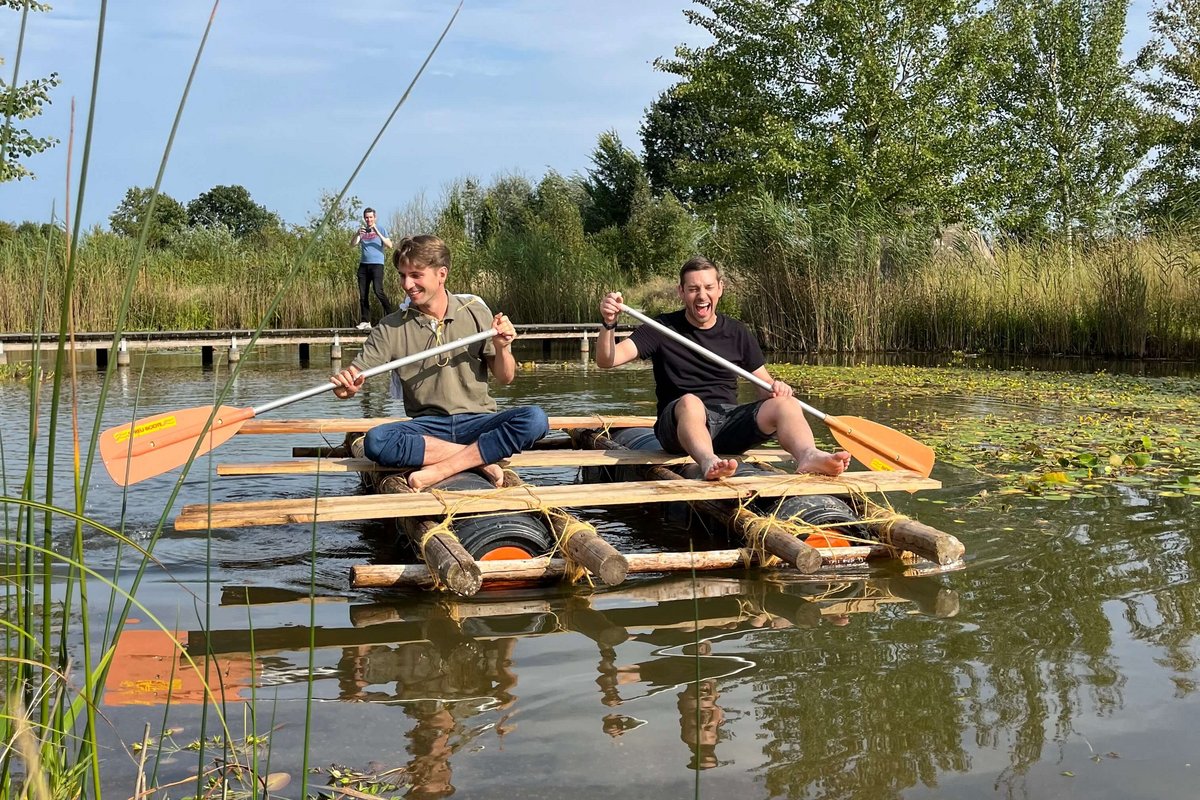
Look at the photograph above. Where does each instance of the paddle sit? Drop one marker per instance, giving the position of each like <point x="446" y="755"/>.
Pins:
<point x="878" y="447"/>
<point x="165" y="441"/>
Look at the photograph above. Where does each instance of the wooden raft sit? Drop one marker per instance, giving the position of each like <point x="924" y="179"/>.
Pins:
<point x="526" y="498"/>
<point x="451" y="566"/>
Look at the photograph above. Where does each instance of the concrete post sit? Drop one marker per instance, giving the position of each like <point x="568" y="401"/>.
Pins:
<point x="335" y="350"/>
<point x="122" y="353"/>
<point x="235" y="355"/>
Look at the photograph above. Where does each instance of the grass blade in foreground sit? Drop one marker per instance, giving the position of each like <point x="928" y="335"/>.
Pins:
<point x="878" y="447"/>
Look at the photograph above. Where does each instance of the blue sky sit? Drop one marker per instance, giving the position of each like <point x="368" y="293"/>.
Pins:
<point x="290" y="93"/>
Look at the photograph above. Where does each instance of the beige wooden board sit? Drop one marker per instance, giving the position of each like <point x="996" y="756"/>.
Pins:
<point x="531" y="458"/>
<point x="352" y="425"/>
<point x="523" y="498"/>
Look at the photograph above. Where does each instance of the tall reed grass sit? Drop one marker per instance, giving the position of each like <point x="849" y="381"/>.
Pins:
<point x="807" y="279"/>
<point x="817" y="281"/>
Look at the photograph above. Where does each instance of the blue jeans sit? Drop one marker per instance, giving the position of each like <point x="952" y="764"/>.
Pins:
<point x="499" y="434"/>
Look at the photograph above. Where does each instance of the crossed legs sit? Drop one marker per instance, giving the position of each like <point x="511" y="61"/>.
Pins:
<point x="443" y="459"/>
<point x="442" y="446"/>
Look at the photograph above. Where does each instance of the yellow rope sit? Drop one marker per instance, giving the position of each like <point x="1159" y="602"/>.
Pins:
<point x="569" y="525"/>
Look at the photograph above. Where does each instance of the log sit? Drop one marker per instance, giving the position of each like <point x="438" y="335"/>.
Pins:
<point x="438" y="503"/>
<point x="907" y="534"/>
<point x="416" y="576"/>
<point x="584" y="546"/>
<point x="445" y="558"/>
<point x="777" y="538"/>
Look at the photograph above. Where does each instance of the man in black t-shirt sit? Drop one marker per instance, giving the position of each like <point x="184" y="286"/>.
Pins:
<point x="698" y="412"/>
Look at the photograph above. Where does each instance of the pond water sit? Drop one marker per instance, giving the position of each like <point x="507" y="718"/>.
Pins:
<point x="1060" y="662"/>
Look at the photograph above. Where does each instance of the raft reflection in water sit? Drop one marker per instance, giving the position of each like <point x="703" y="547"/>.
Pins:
<point x="453" y="667"/>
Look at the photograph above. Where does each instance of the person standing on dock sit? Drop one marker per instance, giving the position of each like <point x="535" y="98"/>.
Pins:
<point x="454" y="425"/>
<point x="698" y="412"/>
<point x="371" y="239"/>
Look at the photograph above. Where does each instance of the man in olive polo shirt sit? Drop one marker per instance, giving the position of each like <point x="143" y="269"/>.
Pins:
<point x="454" y="425"/>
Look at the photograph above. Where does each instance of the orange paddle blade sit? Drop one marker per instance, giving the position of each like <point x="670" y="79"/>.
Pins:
<point x="879" y="447"/>
<point x="154" y="445"/>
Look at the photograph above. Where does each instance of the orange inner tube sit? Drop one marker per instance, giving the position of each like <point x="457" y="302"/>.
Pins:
<point x="826" y="540"/>
<point x="507" y="553"/>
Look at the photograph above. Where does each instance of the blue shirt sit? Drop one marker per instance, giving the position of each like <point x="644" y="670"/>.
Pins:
<point x="372" y="246"/>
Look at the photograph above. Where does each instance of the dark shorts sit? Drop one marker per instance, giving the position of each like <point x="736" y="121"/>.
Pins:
<point x="734" y="429"/>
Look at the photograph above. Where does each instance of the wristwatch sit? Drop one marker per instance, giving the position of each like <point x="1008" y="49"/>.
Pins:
<point x="608" y="327"/>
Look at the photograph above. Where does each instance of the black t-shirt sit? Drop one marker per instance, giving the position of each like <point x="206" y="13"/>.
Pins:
<point x="679" y="371"/>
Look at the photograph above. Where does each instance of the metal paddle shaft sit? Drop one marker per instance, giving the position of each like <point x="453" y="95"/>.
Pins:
<point x="877" y="446"/>
<point x="367" y="373"/>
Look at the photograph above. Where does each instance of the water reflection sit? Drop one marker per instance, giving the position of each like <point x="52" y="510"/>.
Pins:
<point x="453" y="667"/>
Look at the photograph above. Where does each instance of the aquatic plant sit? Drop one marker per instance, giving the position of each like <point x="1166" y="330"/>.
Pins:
<point x="1047" y="435"/>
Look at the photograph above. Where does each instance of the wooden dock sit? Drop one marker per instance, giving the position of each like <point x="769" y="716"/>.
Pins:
<point x="235" y="342"/>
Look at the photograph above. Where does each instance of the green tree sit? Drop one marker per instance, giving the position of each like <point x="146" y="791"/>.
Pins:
<point x="232" y="207"/>
<point x="1170" y="65"/>
<point x="343" y="217"/>
<point x="128" y="217"/>
<point x="611" y="184"/>
<point x="504" y="206"/>
<point x="677" y="133"/>
<point x="1064" y="138"/>
<point x="22" y="101"/>
<point x="660" y="235"/>
<point x="869" y="102"/>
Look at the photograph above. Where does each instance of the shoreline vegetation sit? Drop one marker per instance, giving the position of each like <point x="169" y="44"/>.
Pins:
<point x="808" y="280"/>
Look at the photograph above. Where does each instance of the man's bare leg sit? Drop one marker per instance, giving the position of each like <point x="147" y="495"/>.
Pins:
<point x="692" y="429"/>
<point x="783" y="417"/>
<point x="443" y="459"/>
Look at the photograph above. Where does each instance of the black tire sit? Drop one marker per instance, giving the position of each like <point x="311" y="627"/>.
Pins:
<point x="481" y="535"/>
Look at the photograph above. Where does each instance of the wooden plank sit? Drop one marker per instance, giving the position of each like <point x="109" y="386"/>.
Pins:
<point x="352" y="425"/>
<point x="531" y="458"/>
<point x="525" y="498"/>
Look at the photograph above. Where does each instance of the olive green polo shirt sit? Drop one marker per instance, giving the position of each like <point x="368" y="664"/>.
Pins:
<point x="451" y="383"/>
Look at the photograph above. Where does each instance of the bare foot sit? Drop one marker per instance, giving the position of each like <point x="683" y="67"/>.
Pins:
<point x="716" y="468"/>
<point x="822" y="463"/>
<point x="494" y="473"/>
<point x="420" y="479"/>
